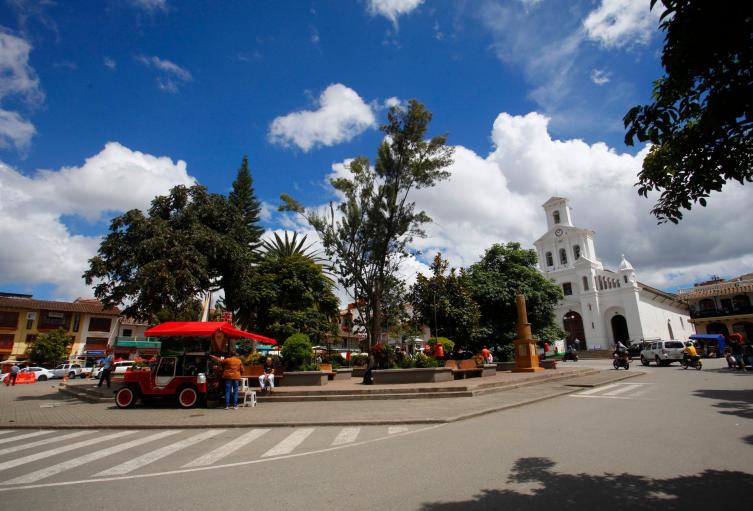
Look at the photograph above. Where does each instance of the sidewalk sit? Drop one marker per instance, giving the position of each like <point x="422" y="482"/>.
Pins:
<point x="42" y="406"/>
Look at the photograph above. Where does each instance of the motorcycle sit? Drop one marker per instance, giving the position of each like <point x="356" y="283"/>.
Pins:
<point x="570" y="355"/>
<point x="621" y="360"/>
<point x="696" y="363"/>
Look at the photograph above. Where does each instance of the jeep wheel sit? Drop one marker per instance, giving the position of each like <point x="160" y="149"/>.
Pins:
<point x="125" y="397"/>
<point x="71" y="375"/>
<point x="644" y="361"/>
<point x="188" y="397"/>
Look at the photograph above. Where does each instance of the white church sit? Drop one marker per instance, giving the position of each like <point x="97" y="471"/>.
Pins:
<point x="602" y="306"/>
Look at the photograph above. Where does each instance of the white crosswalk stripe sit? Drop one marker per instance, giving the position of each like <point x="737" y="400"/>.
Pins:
<point x="158" y="454"/>
<point x="7" y="431"/>
<point x="25" y="436"/>
<point x="289" y="443"/>
<point x="598" y="389"/>
<point x="87" y="458"/>
<point x="29" y="445"/>
<point x="392" y="430"/>
<point x="215" y="455"/>
<point x="59" y="450"/>
<point x="615" y="391"/>
<point x="346" y="436"/>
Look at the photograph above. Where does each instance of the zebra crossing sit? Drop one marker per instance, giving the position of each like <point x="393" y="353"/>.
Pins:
<point x="53" y="457"/>
<point x="620" y="390"/>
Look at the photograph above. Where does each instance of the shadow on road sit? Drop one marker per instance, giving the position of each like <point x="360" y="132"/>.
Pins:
<point x="733" y="402"/>
<point x="711" y="489"/>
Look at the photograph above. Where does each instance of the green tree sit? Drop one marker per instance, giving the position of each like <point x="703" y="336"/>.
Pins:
<point x="189" y="242"/>
<point x="700" y="122"/>
<point x="297" y="352"/>
<point x="444" y="302"/>
<point x="503" y="272"/>
<point x="244" y="199"/>
<point x="368" y="234"/>
<point x="51" y="348"/>
<point x="289" y="294"/>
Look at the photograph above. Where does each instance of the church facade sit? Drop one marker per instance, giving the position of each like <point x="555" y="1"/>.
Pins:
<point x="602" y="306"/>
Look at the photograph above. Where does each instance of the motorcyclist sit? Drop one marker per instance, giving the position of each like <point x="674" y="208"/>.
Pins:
<point x="620" y="351"/>
<point x="689" y="353"/>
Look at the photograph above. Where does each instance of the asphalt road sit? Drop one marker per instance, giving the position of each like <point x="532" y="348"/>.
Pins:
<point x="671" y="439"/>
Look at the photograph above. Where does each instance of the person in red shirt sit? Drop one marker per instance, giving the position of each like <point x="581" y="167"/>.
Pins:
<point x="486" y="354"/>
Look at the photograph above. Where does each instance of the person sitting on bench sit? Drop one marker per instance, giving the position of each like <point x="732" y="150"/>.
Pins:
<point x="267" y="380"/>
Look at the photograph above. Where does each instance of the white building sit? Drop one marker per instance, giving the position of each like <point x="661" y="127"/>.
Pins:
<point x="602" y="306"/>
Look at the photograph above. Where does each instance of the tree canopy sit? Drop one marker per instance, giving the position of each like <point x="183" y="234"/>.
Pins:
<point x="50" y="348"/>
<point x="368" y="233"/>
<point x="699" y="123"/>
<point x="503" y="272"/>
<point x="445" y="303"/>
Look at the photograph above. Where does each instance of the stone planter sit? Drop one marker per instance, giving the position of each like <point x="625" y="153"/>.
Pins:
<point x="344" y="373"/>
<point x="252" y="370"/>
<point x="505" y="366"/>
<point x="416" y="375"/>
<point x="489" y="369"/>
<point x="358" y="372"/>
<point x="304" y="378"/>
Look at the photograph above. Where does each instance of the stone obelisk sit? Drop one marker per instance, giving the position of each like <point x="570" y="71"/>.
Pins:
<point x="526" y="356"/>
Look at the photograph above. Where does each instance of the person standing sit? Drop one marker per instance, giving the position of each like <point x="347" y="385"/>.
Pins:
<point x="368" y="379"/>
<point x="106" y="374"/>
<point x="12" y="375"/>
<point x="231" y="373"/>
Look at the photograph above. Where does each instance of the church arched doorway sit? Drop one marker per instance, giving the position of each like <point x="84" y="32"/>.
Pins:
<point x="620" y="329"/>
<point x="717" y="328"/>
<point x="573" y="324"/>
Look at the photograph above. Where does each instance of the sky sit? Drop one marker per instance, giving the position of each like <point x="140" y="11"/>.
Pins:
<point x="104" y="105"/>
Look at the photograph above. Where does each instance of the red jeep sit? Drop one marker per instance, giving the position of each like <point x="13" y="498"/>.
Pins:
<point x="184" y="378"/>
<point x="187" y="378"/>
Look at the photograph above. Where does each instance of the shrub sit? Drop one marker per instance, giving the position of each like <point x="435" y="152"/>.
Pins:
<point x="251" y="358"/>
<point x="506" y="352"/>
<point x="406" y="363"/>
<point x="335" y="359"/>
<point x="446" y="343"/>
<point x="297" y="352"/>
<point x="421" y="360"/>
<point x="383" y="356"/>
<point x="360" y="360"/>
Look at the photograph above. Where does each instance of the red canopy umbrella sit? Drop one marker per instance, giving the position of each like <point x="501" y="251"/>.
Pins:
<point x="203" y="329"/>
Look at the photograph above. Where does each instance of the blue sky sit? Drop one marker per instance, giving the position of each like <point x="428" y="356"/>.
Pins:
<point x="531" y="91"/>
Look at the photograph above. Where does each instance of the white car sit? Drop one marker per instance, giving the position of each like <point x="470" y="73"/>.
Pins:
<point x="118" y="368"/>
<point x="662" y="352"/>
<point x="40" y="373"/>
<point x="72" y="370"/>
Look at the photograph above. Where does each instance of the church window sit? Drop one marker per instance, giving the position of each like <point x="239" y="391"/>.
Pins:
<point x="682" y="323"/>
<point x="669" y="327"/>
<point x="563" y="256"/>
<point x="585" y="283"/>
<point x="576" y="252"/>
<point x="556" y="216"/>
<point x="707" y="305"/>
<point x="549" y="259"/>
<point x="625" y="277"/>
<point x="567" y="289"/>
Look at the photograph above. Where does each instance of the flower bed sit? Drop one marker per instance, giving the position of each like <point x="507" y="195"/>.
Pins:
<point x="415" y="375"/>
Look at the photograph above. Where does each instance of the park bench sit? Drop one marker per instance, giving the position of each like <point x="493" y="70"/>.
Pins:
<point x="327" y="368"/>
<point x="462" y="369"/>
<point x="256" y="370"/>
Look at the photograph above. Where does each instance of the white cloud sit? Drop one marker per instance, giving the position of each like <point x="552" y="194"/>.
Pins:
<point x="38" y="247"/>
<point x="172" y="75"/>
<point x="599" y="76"/>
<point x="151" y="5"/>
<point x="392" y="101"/>
<point x="392" y="9"/>
<point x="497" y="198"/>
<point x="110" y="63"/>
<point x="17" y="79"/>
<point x="341" y="115"/>
<point x="619" y="23"/>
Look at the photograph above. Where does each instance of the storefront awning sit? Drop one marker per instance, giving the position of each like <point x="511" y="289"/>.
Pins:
<point x="139" y="344"/>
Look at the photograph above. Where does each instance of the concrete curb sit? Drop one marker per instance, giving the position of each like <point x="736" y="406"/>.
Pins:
<point x="566" y="389"/>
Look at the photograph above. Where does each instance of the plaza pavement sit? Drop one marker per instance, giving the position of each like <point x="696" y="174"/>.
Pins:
<point x="42" y="405"/>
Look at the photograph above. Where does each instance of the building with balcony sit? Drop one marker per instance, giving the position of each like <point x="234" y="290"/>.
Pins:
<point x="601" y="306"/>
<point x="721" y="306"/>
<point x="22" y="318"/>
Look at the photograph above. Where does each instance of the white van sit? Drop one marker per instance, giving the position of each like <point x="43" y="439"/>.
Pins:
<point x="662" y="352"/>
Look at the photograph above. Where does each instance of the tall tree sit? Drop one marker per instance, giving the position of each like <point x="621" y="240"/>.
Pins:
<point x="701" y="120"/>
<point x="369" y="232"/>
<point x="445" y="303"/>
<point x="50" y="348"/>
<point x="243" y="197"/>
<point x="186" y="244"/>
<point x="503" y="272"/>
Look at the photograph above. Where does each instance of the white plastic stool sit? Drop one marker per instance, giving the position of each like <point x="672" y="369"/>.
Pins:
<point x="249" y="398"/>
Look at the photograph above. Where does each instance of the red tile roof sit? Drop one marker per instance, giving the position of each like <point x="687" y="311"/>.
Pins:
<point x="84" y="306"/>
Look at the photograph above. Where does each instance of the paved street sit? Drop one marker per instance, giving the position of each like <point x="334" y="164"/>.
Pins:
<point x="670" y="439"/>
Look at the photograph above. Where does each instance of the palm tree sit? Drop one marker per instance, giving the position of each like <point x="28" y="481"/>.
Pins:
<point x="290" y="246"/>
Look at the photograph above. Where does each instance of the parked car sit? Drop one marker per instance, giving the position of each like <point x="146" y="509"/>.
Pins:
<point x="72" y="370"/>
<point x="662" y="352"/>
<point x="635" y="349"/>
<point x="117" y="368"/>
<point x="40" y="373"/>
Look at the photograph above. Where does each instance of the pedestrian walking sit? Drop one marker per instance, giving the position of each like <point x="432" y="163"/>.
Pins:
<point x="12" y="375"/>
<point x="106" y="374"/>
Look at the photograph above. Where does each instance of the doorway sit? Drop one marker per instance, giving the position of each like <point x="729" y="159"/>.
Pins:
<point x="620" y="329"/>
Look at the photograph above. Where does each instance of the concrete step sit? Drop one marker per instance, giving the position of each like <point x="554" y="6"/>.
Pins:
<point x="286" y="398"/>
<point x="89" y="394"/>
<point x="500" y="387"/>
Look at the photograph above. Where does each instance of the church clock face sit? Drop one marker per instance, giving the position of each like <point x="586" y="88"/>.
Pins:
<point x="558" y="232"/>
